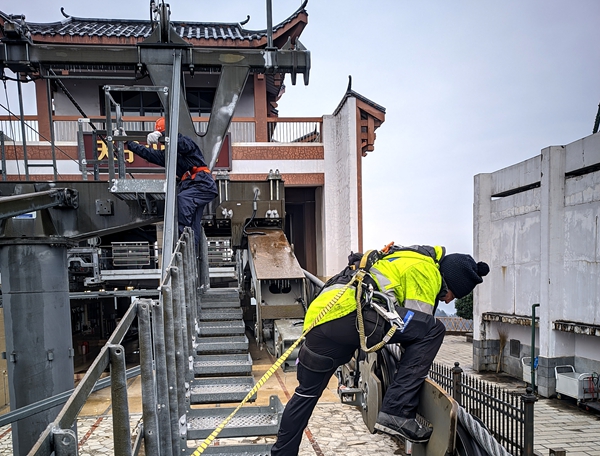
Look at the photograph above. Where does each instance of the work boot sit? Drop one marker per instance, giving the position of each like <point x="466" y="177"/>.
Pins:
<point x="409" y="428"/>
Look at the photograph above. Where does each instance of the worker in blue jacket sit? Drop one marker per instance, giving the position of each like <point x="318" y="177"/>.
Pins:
<point x="197" y="186"/>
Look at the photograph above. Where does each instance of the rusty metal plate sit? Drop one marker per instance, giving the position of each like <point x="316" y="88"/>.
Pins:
<point x="439" y="409"/>
<point x="272" y="256"/>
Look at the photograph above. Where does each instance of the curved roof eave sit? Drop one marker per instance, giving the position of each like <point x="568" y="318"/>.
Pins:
<point x="130" y="31"/>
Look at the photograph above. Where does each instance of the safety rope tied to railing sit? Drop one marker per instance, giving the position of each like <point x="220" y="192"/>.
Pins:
<point x="204" y="445"/>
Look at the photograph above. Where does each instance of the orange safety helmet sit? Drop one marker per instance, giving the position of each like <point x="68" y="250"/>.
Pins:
<point x="160" y="125"/>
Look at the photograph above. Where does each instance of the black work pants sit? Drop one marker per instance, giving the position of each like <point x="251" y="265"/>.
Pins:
<point x="339" y="339"/>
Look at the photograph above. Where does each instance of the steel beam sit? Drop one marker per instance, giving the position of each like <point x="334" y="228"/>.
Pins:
<point x="12" y="206"/>
<point x="76" y="224"/>
<point x="19" y="56"/>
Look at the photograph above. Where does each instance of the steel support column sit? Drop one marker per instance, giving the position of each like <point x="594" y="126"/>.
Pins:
<point x="37" y="321"/>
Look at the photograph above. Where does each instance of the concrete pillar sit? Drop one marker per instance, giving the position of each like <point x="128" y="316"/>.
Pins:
<point x="552" y="208"/>
<point x="37" y="320"/>
<point x="482" y="251"/>
<point x="340" y="214"/>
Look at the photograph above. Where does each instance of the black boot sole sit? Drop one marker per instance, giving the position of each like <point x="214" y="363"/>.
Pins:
<point x="387" y="430"/>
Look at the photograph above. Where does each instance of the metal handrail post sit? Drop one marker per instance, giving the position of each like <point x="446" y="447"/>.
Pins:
<point x="3" y="156"/>
<point x="203" y="261"/>
<point x="162" y="382"/>
<point x="528" y="399"/>
<point x="533" y="386"/>
<point x="120" y="407"/>
<point x="109" y="142"/>
<point x="24" y="140"/>
<point x="195" y="284"/>
<point x="120" y="145"/>
<point x="81" y="149"/>
<point x="149" y="409"/>
<point x="179" y="313"/>
<point x="189" y="299"/>
<point x="167" y="295"/>
<point x="457" y="383"/>
<point x="52" y="139"/>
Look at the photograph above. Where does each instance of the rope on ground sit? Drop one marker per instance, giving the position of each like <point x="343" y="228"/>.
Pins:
<point x="482" y="435"/>
<point x="204" y="445"/>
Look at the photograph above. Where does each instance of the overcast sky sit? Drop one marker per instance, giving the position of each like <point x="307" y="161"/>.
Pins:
<point x="469" y="87"/>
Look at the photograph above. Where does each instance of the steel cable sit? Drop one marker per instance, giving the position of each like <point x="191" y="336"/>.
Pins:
<point x="482" y="435"/>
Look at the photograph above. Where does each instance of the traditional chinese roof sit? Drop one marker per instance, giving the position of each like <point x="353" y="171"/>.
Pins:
<point x="131" y="31"/>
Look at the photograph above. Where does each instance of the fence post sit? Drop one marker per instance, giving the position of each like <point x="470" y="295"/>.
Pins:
<point x="528" y="400"/>
<point x="456" y="382"/>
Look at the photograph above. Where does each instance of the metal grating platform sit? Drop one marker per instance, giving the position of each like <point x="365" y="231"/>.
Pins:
<point x="225" y="304"/>
<point x="220" y="314"/>
<point x="226" y="344"/>
<point x="236" y="364"/>
<point x="235" y="450"/>
<point x="222" y="389"/>
<point x="221" y="328"/>
<point x="248" y="421"/>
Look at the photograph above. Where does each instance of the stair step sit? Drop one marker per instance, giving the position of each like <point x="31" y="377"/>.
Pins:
<point x="220" y="314"/>
<point x="247" y="422"/>
<point x="236" y="450"/>
<point x="231" y="364"/>
<point x="233" y="304"/>
<point x="221" y="295"/>
<point x="227" y="344"/>
<point x="221" y="328"/>
<point x="220" y="389"/>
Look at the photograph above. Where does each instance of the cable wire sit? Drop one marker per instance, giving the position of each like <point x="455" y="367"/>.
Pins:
<point x="482" y="435"/>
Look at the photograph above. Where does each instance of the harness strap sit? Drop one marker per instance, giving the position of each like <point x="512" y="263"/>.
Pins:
<point x="368" y="260"/>
<point x="191" y="174"/>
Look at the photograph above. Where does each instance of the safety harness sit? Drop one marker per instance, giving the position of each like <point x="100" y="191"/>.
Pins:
<point x="365" y="293"/>
<point x="191" y="173"/>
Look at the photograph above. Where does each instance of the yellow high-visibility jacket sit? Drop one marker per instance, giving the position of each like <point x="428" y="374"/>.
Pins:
<point x="410" y="275"/>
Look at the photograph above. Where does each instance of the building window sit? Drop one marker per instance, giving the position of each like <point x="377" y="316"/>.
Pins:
<point x="199" y="101"/>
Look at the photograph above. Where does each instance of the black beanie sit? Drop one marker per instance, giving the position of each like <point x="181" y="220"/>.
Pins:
<point x="462" y="274"/>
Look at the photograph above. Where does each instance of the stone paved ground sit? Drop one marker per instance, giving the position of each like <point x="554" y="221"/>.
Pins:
<point x="337" y="429"/>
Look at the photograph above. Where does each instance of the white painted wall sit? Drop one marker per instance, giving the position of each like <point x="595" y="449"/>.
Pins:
<point x="340" y="205"/>
<point x="543" y="246"/>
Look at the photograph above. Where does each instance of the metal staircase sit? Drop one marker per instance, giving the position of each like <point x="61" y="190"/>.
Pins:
<point x="222" y="365"/>
<point x="223" y="373"/>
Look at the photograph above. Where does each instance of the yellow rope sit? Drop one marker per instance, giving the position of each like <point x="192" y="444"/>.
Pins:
<point x="204" y="445"/>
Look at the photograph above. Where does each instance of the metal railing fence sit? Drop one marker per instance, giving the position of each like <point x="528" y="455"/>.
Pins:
<point x="166" y="343"/>
<point x="13" y="131"/>
<point x="279" y="130"/>
<point x="285" y="131"/>
<point x="507" y="415"/>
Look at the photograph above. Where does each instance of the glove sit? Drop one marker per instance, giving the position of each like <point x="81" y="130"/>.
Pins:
<point x="119" y="132"/>
<point x="153" y="137"/>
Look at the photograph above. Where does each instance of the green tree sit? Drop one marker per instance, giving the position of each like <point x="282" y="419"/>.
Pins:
<point x="464" y="306"/>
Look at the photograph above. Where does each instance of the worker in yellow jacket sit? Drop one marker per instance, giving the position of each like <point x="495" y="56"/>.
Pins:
<point x="416" y="278"/>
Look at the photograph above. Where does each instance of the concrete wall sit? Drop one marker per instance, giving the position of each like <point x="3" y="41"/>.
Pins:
<point x="340" y="204"/>
<point x="537" y="224"/>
